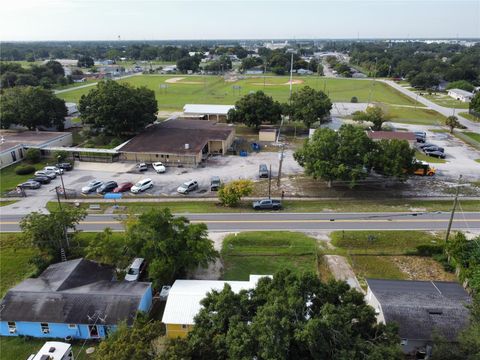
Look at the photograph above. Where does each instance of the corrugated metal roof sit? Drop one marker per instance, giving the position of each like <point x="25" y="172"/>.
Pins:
<point x="184" y="298"/>
<point x="461" y="92"/>
<point x="207" y="109"/>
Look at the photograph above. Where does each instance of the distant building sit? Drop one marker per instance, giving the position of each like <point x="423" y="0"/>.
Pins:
<point x="304" y="72"/>
<point x="459" y="94"/>
<point x="273" y="46"/>
<point x="13" y="144"/>
<point x="183" y="301"/>
<point x="78" y="299"/>
<point x="420" y="308"/>
<point x="389" y="135"/>
<point x="179" y="142"/>
<point x="207" y="111"/>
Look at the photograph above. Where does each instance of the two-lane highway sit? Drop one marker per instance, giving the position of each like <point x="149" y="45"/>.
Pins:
<point x="291" y="221"/>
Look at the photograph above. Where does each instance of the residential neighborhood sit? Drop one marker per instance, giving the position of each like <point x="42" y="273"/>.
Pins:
<point x="174" y="188"/>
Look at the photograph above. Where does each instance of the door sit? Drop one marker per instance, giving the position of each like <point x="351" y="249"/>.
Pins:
<point x="14" y="155"/>
<point x="93" y="331"/>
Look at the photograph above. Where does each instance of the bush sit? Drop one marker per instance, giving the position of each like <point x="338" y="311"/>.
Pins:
<point x="25" y="170"/>
<point x="60" y="155"/>
<point x="33" y="156"/>
<point x="443" y="259"/>
<point x="231" y="193"/>
<point x="430" y="249"/>
<point x="354" y="99"/>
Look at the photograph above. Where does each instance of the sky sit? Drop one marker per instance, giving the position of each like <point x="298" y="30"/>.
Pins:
<point x="41" y="20"/>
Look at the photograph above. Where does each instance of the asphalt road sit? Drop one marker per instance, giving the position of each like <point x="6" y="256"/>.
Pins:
<point x="233" y="222"/>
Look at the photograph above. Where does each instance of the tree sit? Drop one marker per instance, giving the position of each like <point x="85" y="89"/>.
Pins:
<point x="85" y="62"/>
<point x="424" y="80"/>
<point x="461" y="84"/>
<point x="131" y="343"/>
<point x="170" y="245"/>
<point x="47" y="231"/>
<point x="452" y="122"/>
<point x="310" y="106"/>
<point x="288" y="317"/>
<point x="344" y="155"/>
<point x="118" y="109"/>
<point x="33" y="156"/>
<point x="250" y="62"/>
<point x="188" y="63"/>
<point x="31" y="107"/>
<point x="60" y="155"/>
<point x="373" y="114"/>
<point x="255" y="109"/>
<point x="107" y="249"/>
<point x="393" y="157"/>
<point x="56" y="68"/>
<point x="231" y="193"/>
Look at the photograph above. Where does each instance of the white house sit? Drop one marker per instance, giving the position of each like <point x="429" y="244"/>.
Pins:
<point x="462" y="95"/>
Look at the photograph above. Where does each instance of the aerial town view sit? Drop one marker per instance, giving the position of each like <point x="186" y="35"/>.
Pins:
<point x="240" y="180"/>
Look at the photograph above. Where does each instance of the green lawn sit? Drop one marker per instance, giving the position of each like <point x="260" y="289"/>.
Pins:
<point x="468" y="116"/>
<point x="445" y="100"/>
<point x="7" y="202"/>
<point x="411" y="115"/>
<point x="473" y="136"/>
<point x="264" y="253"/>
<point x="9" y="180"/>
<point x="292" y="206"/>
<point x="421" y="156"/>
<point x="74" y="85"/>
<point x="20" y="348"/>
<point x="470" y="138"/>
<point x="382" y="242"/>
<point x="377" y="267"/>
<point x="215" y="90"/>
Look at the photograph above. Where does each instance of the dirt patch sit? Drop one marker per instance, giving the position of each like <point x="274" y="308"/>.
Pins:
<point x="421" y="268"/>
<point x="178" y="79"/>
<point x="294" y="82"/>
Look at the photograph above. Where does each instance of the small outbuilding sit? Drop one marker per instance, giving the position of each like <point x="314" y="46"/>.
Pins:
<point x="461" y="95"/>
<point x="267" y="135"/>
<point x="420" y="308"/>
<point x="207" y="111"/>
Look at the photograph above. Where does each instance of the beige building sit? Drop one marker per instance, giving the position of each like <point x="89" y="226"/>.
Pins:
<point x="13" y="144"/>
<point x="389" y="135"/>
<point x="179" y="142"/>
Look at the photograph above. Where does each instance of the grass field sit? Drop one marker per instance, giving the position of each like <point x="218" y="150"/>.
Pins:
<point x="411" y="115"/>
<point x="215" y="90"/>
<point x="470" y="138"/>
<point x="9" y="180"/>
<point x="264" y="253"/>
<point x="421" y="156"/>
<point x="445" y="100"/>
<point x="180" y="207"/>
<point x="19" y="348"/>
<point x="468" y="116"/>
<point x="74" y="85"/>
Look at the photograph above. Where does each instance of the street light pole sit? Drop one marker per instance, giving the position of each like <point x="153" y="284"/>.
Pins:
<point x="452" y="214"/>
<point x="61" y="178"/>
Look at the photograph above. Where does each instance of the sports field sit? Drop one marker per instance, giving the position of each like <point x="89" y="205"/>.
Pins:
<point x="173" y="92"/>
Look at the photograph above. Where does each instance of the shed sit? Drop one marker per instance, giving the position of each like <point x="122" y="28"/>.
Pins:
<point x="267" y="135"/>
<point x="461" y="95"/>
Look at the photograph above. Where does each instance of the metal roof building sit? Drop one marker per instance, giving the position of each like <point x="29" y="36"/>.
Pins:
<point x="207" y="111"/>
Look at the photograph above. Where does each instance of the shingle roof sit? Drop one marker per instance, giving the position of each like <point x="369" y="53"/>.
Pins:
<point x="420" y="307"/>
<point x="170" y="137"/>
<point x="73" y="292"/>
<point x="184" y="298"/>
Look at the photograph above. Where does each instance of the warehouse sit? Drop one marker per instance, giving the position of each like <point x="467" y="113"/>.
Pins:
<point x="179" y="142"/>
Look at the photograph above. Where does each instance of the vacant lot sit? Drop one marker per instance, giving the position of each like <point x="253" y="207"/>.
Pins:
<point x="264" y="253"/>
<point x="412" y="115"/>
<point x="215" y="90"/>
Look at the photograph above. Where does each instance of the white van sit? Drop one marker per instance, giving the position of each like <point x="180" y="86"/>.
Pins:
<point x="134" y="270"/>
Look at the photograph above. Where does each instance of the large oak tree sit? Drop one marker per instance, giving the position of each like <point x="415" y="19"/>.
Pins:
<point x="254" y="109"/>
<point x="309" y="106"/>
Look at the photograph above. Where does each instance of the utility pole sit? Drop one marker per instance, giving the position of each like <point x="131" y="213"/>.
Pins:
<point x="61" y="178"/>
<point x="455" y="201"/>
<point x="280" y="166"/>
<point x="270" y="182"/>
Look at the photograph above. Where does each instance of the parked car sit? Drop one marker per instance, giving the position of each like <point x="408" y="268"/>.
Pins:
<point x="420" y="133"/>
<point x="107" y="187"/>
<point x="433" y="148"/>
<point x="215" y="183"/>
<point x="91" y="186"/>
<point x="424" y="145"/>
<point x="30" y="184"/>
<point x="65" y="166"/>
<point x="267" y="204"/>
<point x="142" y="185"/>
<point x="420" y="139"/>
<point x="135" y="269"/>
<point x="159" y="167"/>
<point x="142" y="167"/>
<point x="263" y="171"/>
<point x="122" y="187"/>
<point x="41" y="179"/>
<point x="187" y="187"/>
<point x="50" y="174"/>
<point x="55" y="169"/>
<point x="434" y="153"/>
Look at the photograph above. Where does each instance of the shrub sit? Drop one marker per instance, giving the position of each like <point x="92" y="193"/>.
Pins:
<point x="25" y="170"/>
<point x="231" y="193"/>
<point x="32" y="156"/>
<point x="354" y="99"/>
<point x="430" y="249"/>
<point x="60" y="155"/>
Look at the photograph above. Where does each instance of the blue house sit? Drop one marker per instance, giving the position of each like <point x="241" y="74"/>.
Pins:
<point x="77" y="298"/>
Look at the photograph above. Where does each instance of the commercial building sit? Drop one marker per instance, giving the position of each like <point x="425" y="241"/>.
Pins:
<point x="459" y="94"/>
<point x="76" y="299"/>
<point x="420" y="308"/>
<point x="13" y="144"/>
<point x="207" y="112"/>
<point x="179" y="142"/>
<point x="184" y="298"/>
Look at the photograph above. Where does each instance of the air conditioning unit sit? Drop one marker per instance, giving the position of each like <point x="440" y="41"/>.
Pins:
<point x="12" y="330"/>
<point x="45" y="331"/>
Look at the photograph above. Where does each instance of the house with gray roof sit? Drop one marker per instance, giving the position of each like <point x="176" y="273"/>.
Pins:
<point x="79" y="299"/>
<point x="420" y="308"/>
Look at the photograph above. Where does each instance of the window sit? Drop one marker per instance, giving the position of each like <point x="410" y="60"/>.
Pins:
<point x="14" y="156"/>
<point x="12" y="327"/>
<point x="45" y="328"/>
<point x="184" y="326"/>
<point x="72" y="326"/>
